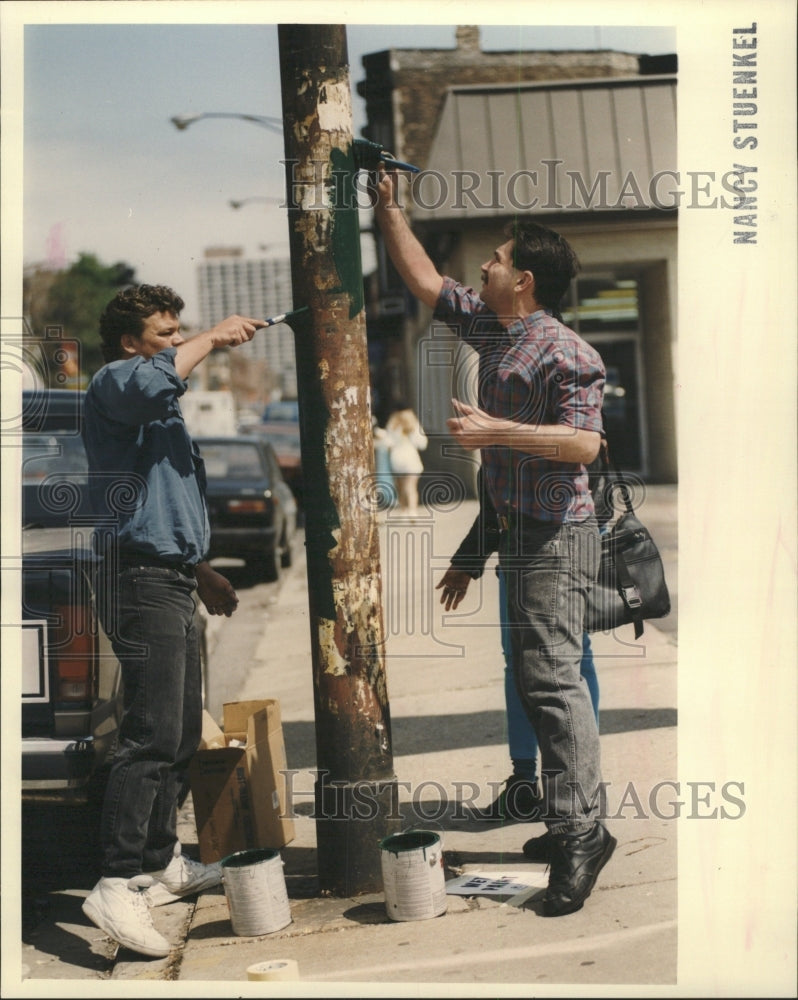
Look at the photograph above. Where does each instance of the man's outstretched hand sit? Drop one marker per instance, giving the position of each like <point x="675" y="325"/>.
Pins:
<point x="215" y="591"/>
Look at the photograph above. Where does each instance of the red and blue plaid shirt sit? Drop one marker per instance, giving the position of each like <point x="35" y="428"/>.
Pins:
<point x="538" y="372"/>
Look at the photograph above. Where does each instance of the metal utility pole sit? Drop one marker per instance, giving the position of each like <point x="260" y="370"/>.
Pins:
<point x="356" y="791"/>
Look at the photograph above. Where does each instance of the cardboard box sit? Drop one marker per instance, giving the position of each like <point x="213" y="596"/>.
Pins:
<point x="212" y="737"/>
<point x="238" y="789"/>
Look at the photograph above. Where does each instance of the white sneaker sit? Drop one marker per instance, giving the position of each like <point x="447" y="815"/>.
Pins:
<point x="181" y="877"/>
<point x="117" y="906"/>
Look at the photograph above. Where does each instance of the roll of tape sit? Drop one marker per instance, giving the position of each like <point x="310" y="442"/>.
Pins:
<point x="278" y="968"/>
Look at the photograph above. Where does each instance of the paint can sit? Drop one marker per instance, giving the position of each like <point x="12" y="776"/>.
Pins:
<point x="254" y="885"/>
<point x="412" y="875"/>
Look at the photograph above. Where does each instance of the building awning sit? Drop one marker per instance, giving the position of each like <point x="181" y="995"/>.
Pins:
<point x="553" y="147"/>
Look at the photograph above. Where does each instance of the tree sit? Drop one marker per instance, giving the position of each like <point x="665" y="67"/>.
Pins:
<point x="73" y="300"/>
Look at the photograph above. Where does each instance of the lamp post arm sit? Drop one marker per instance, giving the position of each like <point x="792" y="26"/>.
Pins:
<point x="182" y="122"/>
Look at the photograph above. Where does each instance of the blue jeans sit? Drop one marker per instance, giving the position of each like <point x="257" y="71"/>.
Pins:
<point x="548" y="570"/>
<point x="521" y="737"/>
<point x="149" y="615"/>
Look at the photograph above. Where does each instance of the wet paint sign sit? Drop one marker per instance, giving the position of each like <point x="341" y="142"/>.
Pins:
<point x="497" y="884"/>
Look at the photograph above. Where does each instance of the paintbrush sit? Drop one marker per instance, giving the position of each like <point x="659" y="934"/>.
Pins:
<point x="273" y="320"/>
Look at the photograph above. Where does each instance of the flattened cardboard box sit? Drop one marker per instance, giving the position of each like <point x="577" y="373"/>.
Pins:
<point x="239" y="792"/>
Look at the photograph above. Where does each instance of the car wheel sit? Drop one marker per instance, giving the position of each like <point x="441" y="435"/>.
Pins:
<point x="287" y="554"/>
<point x="267" y="565"/>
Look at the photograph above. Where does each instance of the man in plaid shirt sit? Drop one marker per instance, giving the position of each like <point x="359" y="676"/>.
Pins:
<point x="537" y="426"/>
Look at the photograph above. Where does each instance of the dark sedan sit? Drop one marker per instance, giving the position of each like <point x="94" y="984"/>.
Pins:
<point x="71" y="680"/>
<point x="252" y="510"/>
<point x="283" y="436"/>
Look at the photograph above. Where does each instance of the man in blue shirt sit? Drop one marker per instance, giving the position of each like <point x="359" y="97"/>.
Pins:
<point x="147" y="481"/>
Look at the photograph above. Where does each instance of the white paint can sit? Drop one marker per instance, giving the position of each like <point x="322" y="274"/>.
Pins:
<point x="254" y="885"/>
<point x="412" y="875"/>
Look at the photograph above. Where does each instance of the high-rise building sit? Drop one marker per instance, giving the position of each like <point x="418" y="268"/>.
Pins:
<point x="230" y="283"/>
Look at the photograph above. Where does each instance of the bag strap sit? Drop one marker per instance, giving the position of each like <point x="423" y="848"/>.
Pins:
<point x="629" y="593"/>
<point x="628" y="588"/>
<point x="615" y="478"/>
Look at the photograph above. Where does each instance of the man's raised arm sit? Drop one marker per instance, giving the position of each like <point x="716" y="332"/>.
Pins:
<point x="408" y="255"/>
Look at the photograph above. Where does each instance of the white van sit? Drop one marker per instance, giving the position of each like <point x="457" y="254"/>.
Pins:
<point x="209" y="413"/>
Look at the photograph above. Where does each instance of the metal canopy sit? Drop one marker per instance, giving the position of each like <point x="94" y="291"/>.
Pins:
<point x="573" y="146"/>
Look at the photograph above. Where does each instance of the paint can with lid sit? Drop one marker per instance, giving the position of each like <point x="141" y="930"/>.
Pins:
<point x="412" y="875"/>
<point x="254" y="885"/>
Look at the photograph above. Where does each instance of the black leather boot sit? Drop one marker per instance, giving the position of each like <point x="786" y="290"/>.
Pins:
<point x="576" y="860"/>
<point x="539" y="848"/>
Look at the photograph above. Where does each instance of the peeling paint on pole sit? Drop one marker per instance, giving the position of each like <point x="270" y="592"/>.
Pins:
<point x="344" y="582"/>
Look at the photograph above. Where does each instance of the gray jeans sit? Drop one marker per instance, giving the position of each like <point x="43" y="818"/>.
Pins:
<point x="549" y="569"/>
<point x="154" y="635"/>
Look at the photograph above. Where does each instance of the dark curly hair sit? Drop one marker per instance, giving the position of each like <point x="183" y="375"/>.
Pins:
<point x="548" y="256"/>
<point x="127" y="310"/>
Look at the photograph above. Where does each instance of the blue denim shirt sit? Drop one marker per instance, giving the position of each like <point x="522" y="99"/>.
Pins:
<point x="147" y="479"/>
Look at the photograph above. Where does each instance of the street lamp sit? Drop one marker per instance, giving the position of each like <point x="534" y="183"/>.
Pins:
<point x="182" y="122"/>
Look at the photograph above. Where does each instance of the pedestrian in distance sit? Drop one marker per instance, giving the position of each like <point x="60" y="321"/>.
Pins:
<point x="147" y="483"/>
<point x="537" y="425"/>
<point x="406" y="439"/>
<point x="520" y="799"/>
<point x="382" y="466"/>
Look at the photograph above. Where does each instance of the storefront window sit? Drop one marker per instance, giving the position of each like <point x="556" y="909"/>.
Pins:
<point x="603" y="308"/>
<point x="603" y="303"/>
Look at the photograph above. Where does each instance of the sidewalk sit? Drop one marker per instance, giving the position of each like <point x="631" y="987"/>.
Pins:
<point x="445" y="686"/>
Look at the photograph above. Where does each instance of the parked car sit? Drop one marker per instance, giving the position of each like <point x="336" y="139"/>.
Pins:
<point x="282" y="433"/>
<point x="252" y="511"/>
<point x="71" y="679"/>
<point x="281" y="411"/>
<point x="283" y="436"/>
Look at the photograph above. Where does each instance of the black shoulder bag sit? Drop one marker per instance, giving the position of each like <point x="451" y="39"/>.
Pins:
<point x="631" y="583"/>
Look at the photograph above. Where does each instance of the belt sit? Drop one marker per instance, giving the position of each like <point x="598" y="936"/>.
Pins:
<point x="519" y="519"/>
<point x="129" y="561"/>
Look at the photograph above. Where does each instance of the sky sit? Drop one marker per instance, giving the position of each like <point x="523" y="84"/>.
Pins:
<point x="106" y="172"/>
